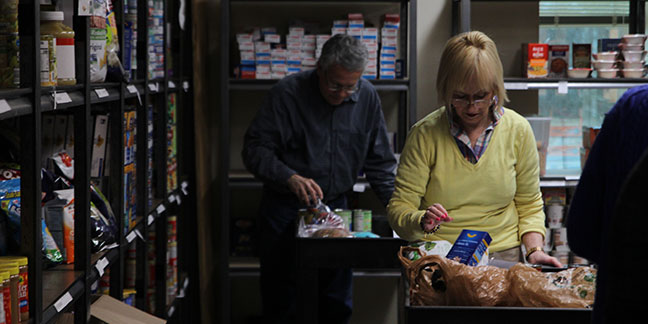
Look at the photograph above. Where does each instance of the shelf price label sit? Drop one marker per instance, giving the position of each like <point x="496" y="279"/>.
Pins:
<point x="171" y="84"/>
<point x="101" y="93"/>
<point x="132" y="89"/>
<point x="563" y="87"/>
<point x="61" y="98"/>
<point x="101" y="266"/>
<point x="185" y="86"/>
<point x="60" y="304"/>
<point x="150" y="219"/>
<point x="172" y="198"/>
<point x="160" y="209"/>
<point x="153" y="87"/>
<point x="171" y="311"/>
<point x="177" y="198"/>
<point x="4" y="106"/>
<point x="131" y="236"/>
<point x="183" y="187"/>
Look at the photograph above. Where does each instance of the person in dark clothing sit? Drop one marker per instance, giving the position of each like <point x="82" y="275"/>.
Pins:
<point x="626" y="277"/>
<point x="617" y="148"/>
<point x="315" y="132"/>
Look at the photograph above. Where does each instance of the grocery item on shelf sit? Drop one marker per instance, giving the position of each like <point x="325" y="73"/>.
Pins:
<point x="155" y="39"/>
<point x="9" y="45"/>
<point x="14" y="278"/>
<point x="608" y="44"/>
<point x="97" y="48"/>
<point x="581" y="54"/>
<point x="263" y="56"/>
<point x="48" y="73"/>
<point x="535" y="60"/>
<point x="633" y="55"/>
<point x="558" y="61"/>
<point x="5" y="297"/>
<point x="23" y="283"/>
<point x="172" y="140"/>
<point x="52" y="24"/>
<point x="130" y="37"/>
<point x="580" y="73"/>
<point x="607" y="73"/>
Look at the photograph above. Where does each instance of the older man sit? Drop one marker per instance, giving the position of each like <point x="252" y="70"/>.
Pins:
<point x="313" y="135"/>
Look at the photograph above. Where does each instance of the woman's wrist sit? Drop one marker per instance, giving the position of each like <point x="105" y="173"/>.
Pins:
<point x="531" y="251"/>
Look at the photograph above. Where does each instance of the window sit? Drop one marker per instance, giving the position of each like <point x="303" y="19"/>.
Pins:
<point x="567" y="22"/>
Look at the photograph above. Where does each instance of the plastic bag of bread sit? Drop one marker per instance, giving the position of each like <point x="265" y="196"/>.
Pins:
<point x="437" y="281"/>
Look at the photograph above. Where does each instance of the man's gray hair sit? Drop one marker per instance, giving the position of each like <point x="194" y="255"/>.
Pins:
<point x="345" y="50"/>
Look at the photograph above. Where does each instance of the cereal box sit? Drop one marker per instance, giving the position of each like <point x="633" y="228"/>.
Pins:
<point x="558" y="61"/>
<point x="581" y="54"/>
<point x="535" y="58"/>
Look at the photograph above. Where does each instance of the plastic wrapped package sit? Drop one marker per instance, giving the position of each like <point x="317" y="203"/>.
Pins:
<point x="320" y="221"/>
<point x="437" y="281"/>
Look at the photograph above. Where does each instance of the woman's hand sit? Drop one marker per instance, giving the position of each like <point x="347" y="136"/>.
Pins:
<point x="540" y="257"/>
<point x="434" y="215"/>
<point x="306" y="189"/>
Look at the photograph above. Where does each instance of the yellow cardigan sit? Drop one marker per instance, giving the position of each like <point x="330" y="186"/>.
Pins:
<point x="500" y="194"/>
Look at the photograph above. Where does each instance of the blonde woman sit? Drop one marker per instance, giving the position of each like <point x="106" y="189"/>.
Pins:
<point x="472" y="164"/>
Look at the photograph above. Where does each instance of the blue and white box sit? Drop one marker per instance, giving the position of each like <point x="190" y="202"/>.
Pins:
<point x="470" y="247"/>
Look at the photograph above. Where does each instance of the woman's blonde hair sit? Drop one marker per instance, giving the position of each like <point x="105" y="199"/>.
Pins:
<point x="470" y="56"/>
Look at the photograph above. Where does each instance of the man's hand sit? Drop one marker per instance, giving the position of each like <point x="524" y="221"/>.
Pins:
<point x="307" y="190"/>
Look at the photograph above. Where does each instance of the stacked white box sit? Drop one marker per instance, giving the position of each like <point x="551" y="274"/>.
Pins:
<point x="389" y="49"/>
<point x="262" y="59"/>
<point x="370" y="40"/>
<point x="278" y="66"/>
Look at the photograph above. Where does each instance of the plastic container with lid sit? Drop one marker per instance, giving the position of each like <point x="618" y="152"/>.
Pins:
<point x="5" y="298"/>
<point x="23" y="283"/>
<point x="14" y="271"/>
<point x="52" y="25"/>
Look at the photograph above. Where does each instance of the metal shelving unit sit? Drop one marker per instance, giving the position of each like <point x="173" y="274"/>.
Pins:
<point x="56" y="291"/>
<point x="406" y="115"/>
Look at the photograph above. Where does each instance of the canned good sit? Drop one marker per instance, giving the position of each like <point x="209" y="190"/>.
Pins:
<point x="560" y="239"/>
<point x="361" y="220"/>
<point x="345" y="214"/>
<point x="555" y="215"/>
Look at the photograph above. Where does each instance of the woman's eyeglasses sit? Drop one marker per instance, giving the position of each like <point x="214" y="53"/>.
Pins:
<point x="479" y="103"/>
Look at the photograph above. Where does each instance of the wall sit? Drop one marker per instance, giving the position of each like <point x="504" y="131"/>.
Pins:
<point x="434" y="28"/>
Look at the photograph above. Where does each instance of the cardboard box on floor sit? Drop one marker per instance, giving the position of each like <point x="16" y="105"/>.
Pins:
<point x="109" y="310"/>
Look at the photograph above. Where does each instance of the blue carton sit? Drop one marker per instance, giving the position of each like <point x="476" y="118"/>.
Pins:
<point x="470" y="247"/>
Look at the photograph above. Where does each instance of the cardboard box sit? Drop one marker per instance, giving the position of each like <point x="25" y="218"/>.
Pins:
<point x="581" y="55"/>
<point x="109" y="310"/>
<point x="470" y="247"/>
<point x="558" y="61"/>
<point x="609" y="44"/>
<point x="535" y="60"/>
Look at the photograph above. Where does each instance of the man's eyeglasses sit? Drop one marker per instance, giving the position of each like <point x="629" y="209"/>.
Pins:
<point x="334" y="87"/>
<point x="479" y="103"/>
